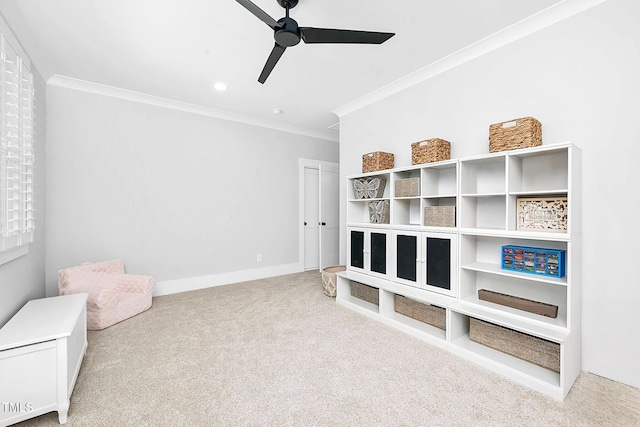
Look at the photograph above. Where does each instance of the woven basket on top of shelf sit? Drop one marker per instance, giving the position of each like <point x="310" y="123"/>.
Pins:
<point x="430" y="150"/>
<point x="377" y="161"/>
<point x="513" y="134"/>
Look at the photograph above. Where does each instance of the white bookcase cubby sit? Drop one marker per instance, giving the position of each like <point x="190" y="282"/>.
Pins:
<point x="446" y="266"/>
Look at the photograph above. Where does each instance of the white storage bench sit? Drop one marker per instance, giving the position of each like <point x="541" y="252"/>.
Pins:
<point x="41" y="350"/>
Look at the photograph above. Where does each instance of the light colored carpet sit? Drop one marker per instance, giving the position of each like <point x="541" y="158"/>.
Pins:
<point x="277" y="352"/>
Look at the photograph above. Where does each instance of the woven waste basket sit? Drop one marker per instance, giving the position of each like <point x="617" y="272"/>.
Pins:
<point x="329" y="279"/>
<point x="430" y="150"/>
<point x="513" y="134"/>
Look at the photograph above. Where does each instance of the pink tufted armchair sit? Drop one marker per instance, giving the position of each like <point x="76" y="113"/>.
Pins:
<point x="113" y="295"/>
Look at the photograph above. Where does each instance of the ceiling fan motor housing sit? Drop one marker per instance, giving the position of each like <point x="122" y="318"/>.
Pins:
<point x="288" y="35"/>
<point x="288" y="4"/>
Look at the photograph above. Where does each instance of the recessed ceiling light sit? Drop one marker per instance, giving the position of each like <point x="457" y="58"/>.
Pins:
<point x="219" y="86"/>
<point x="277" y="111"/>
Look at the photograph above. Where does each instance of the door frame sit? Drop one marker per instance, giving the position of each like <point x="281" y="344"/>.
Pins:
<point x="302" y="164"/>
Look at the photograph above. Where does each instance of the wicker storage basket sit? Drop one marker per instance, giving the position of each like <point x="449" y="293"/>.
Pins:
<point x="523" y="346"/>
<point x="425" y="313"/>
<point x="365" y="293"/>
<point x="430" y="150"/>
<point x="514" y="134"/>
<point x="329" y="279"/>
<point x="440" y="216"/>
<point x="408" y="187"/>
<point x="376" y="161"/>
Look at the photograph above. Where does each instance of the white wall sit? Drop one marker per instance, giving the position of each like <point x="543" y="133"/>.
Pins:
<point x="580" y="79"/>
<point x="23" y="278"/>
<point x="175" y="194"/>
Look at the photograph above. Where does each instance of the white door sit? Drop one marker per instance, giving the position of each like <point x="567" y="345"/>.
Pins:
<point x="320" y="212"/>
<point x="329" y="215"/>
<point x="311" y="218"/>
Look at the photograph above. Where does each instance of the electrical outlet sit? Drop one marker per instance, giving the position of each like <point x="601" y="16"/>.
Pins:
<point x="259" y="257"/>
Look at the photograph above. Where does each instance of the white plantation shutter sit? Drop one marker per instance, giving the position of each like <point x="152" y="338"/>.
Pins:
<point x="17" y="210"/>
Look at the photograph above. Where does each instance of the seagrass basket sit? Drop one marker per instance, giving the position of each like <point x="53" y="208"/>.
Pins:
<point x="365" y="293"/>
<point x="407" y="187"/>
<point x="440" y="216"/>
<point x="513" y="134"/>
<point x="425" y="313"/>
<point x="532" y="349"/>
<point x="430" y="150"/>
<point x="377" y="161"/>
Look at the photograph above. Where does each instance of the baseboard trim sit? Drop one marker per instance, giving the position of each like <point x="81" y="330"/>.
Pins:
<point x="168" y="287"/>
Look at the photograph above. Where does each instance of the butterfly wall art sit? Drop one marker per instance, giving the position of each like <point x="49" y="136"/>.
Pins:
<point x="369" y="188"/>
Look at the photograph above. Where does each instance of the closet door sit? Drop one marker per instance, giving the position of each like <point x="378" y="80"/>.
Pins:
<point x="329" y="218"/>
<point x="311" y="218"/>
<point x="320" y="212"/>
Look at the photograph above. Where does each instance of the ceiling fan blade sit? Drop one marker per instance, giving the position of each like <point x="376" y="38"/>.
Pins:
<point x="275" y="55"/>
<point x="327" y="35"/>
<point x="261" y="14"/>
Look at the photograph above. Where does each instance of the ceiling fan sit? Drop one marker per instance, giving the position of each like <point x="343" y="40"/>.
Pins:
<point x="287" y="33"/>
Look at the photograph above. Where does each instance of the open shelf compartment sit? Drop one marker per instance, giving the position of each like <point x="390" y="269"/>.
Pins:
<point x="440" y="180"/>
<point x="484" y="175"/>
<point x="534" y="376"/>
<point x="344" y="297"/>
<point x="480" y="262"/>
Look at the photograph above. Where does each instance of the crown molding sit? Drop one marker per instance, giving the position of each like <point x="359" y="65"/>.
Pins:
<point x="111" y="91"/>
<point x="532" y="24"/>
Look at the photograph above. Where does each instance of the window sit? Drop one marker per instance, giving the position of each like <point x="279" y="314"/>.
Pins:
<point x="17" y="210"/>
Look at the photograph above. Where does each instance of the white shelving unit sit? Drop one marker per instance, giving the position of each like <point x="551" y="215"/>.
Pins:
<point x="358" y="208"/>
<point x="484" y="190"/>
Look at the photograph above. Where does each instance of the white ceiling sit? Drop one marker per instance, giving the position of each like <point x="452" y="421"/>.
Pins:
<point x="177" y="49"/>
